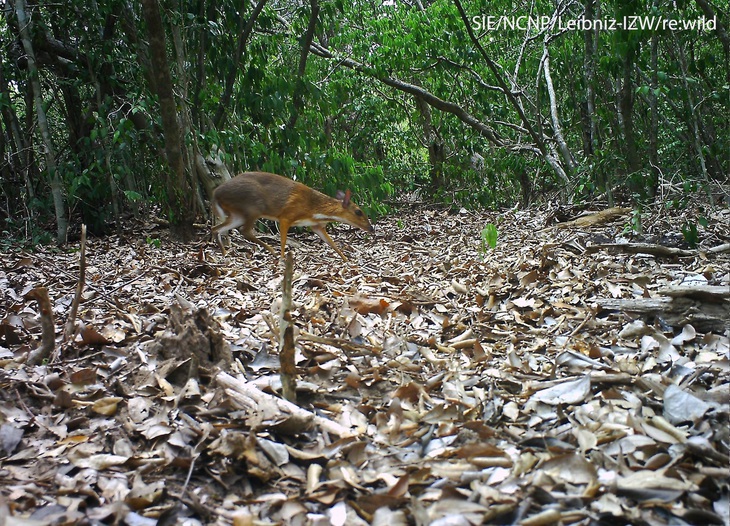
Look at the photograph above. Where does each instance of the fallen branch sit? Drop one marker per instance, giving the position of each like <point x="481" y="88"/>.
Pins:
<point x="245" y="395"/>
<point x="340" y="343"/>
<point x="655" y="250"/>
<point x="642" y="248"/>
<point x="706" y="307"/>
<point x="598" y="218"/>
<point x="725" y="247"/>
<point x="707" y="293"/>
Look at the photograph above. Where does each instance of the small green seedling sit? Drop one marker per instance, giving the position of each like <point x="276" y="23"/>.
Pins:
<point x="489" y="237"/>
<point x="154" y="242"/>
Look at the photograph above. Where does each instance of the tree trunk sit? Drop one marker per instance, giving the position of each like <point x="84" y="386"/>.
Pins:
<point x="654" y="114"/>
<point x="59" y="200"/>
<point x="435" y="144"/>
<point x="211" y="171"/>
<point x="19" y="153"/>
<point x="179" y="194"/>
<point x="589" y="71"/>
<point x="200" y="76"/>
<point x="223" y="106"/>
<point x="191" y="149"/>
<point x="298" y="98"/>
<point x="626" y="107"/>
<point x="692" y="117"/>
<point x="557" y="128"/>
<point x="721" y="32"/>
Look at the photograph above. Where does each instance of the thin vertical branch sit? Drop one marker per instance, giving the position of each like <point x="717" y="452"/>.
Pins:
<point x="69" y="330"/>
<point x="286" y="339"/>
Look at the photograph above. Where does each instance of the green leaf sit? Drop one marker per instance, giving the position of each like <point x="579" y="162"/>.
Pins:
<point x="691" y="236"/>
<point x="489" y="236"/>
<point x="132" y="195"/>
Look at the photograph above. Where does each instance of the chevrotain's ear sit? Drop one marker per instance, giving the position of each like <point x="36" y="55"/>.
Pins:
<point x="346" y="198"/>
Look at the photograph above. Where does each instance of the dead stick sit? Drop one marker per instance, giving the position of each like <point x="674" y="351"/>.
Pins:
<point x="642" y="248"/>
<point x="245" y="395"/>
<point x="288" y="370"/>
<point x="719" y="248"/>
<point x="71" y="321"/>
<point x="48" y="330"/>
<point x="339" y="342"/>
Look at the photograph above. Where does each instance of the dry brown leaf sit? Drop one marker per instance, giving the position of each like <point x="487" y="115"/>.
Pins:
<point x="106" y="406"/>
<point x="470" y="384"/>
<point x="90" y="336"/>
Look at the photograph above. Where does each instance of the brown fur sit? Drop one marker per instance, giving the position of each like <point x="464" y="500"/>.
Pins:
<point x="241" y="201"/>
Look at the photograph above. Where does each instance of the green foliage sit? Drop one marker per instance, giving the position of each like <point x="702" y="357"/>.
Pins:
<point x="351" y="130"/>
<point x="488" y="237"/>
<point x="132" y="195"/>
<point x="154" y="242"/>
<point x="690" y="233"/>
<point x="635" y="222"/>
<point x="23" y="235"/>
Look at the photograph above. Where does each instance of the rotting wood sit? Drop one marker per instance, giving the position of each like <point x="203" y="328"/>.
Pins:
<point x="708" y="293"/>
<point x="705" y="307"/>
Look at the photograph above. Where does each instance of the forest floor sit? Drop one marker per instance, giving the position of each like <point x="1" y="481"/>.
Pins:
<point x="567" y="376"/>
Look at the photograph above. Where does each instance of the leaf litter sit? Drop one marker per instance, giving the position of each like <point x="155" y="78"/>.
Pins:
<point x="440" y="381"/>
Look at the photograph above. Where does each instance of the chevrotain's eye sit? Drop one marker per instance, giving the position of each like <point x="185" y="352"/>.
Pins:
<point x="358" y="212"/>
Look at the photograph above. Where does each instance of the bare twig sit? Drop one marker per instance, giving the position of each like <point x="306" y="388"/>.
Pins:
<point x="48" y="334"/>
<point x="71" y="321"/>
<point x="246" y="395"/>
<point x="286" y="338"/>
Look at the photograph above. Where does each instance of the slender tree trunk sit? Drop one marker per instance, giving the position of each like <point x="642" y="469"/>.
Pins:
<point x="298" y="98"/>
<point x="692" y="117"/>
<point x="223" y="105"/>
<point x="19" y="149"/>
<point x="589" y="71"/>
<point x="200" y="66"/>
<point x="721" y="31"/>
<point x="626" y="107"/>
<point x="434" y="143"/>
<point x="129" y="27"/>
<point x="191" y="150"/>
<point x="557" y="128"/>
<point x="654" y="114"/>
<point x="59" y="201"/>
<point x="591" y="143"/>
<point x="113" y="188"/>
<point x="180" y="202"/>
<point x="102" y="91"/>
